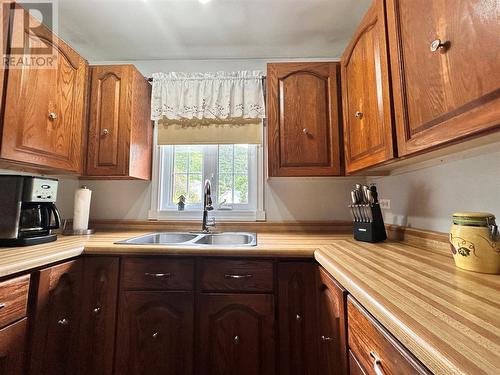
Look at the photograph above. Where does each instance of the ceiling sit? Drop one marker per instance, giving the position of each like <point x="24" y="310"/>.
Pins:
<point x="121" y="30"/>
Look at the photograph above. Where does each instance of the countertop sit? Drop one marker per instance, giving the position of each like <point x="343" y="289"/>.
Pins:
<point x="449" y="318"/>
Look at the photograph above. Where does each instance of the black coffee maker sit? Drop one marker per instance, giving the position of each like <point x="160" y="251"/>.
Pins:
<point x="27" y="210"/>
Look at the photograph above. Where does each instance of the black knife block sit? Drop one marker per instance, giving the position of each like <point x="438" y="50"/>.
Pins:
<point x="373" y="231"/>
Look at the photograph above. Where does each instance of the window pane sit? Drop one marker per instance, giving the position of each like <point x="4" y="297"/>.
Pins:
<point x="196" y="160"/>
<point x="180" y="187"/>
<point x="181" y="157"/>
<point x="225" y="188"/>
<point x="241" y="189"/>
<point x="226" y="159"/>
<point x="194" y="195"/>
<point x="241" y="159"/>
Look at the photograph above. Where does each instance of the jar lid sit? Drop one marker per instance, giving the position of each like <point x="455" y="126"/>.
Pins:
<point x="473" y="218"/>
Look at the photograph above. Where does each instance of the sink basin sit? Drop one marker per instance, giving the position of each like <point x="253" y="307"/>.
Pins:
<point x="194" y="239"/>
<point x="228" y="239"/>
<point x="164" y="238"/>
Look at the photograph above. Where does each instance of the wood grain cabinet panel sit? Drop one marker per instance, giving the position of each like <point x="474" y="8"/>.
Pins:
<point x="13" y="348"/>
<point x="57" y="318"/>
<point x="332" y="325"/>
<point x="120" y="129"/>
<point x="450" y="90"/>
<point x="236" y="334"/>
<point x="14" y="299"/>
<point x="97" y="328"/>
<point x="303" y="119"/>
<point x="155" y="333"/>
<point x="44" y="112"/>
<point x="376" y="350"/>
<point x="298" y="334"/>
<point x="368" y="130"/>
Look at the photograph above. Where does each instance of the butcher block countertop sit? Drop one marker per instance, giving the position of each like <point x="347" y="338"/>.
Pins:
<point x="448" y="318"/>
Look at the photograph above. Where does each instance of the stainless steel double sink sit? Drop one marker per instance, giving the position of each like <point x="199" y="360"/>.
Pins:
<point x="227" y="239"/>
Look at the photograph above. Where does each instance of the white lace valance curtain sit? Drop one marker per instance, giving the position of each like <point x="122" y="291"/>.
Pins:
<point x="221" y="95"/>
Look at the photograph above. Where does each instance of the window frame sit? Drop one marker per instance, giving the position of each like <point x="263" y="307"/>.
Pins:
<point x="162" y="169"/>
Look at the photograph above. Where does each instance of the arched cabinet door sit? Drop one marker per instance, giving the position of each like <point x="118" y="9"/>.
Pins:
<point x="303" y="119"/>
<point x="44" y="111"/>
<point x="236" y="334"/>
<point x="155" y="333"/>
<point x="368" y="131"/>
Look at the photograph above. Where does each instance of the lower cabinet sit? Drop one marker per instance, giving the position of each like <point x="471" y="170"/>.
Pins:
<point x="298" y="335"/>
<point x="56" y="320"/>
<point x="12" y="348"/>
<point x="332" y="325"/>
<point x="236" y="334"/>
<point x="155" y="333"/>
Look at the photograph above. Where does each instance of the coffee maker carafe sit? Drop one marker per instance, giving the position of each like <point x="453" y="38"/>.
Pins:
<point x="28" y="213"/>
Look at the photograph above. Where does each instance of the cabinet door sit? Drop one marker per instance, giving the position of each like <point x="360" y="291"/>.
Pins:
<point x="56" y="321"/>
<point x="155" y="333"/>
<point x="368" y="131"/>
<point x="303" y="119"/>
<point x="444" y="60"/>
<point x="109" y="119"/>
<point x="236" y="334"/>
<point x="297" y="319"/>
<point x="100" y="297"/>
<point x="12" y="348"/>
<point x="44" y="106"/>
<point x="332" y="321"/>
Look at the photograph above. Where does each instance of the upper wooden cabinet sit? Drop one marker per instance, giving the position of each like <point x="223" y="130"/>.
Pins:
<point x="445" y="70"/>
<point x="303" y="119"/>
<point x="43" y="118"/>
<point x="120" y="128"/>
<point x="368" y="131"/>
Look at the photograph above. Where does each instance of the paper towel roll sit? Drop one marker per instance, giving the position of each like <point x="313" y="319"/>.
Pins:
<point x="82" y="208"/>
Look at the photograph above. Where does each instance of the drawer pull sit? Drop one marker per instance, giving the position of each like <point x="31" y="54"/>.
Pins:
<point x="438" y="45"/>
<point x="358" y="114"/>
<point x="96" y="310"/>
<point x="326" y="338"/>
<point x="155" y="335"/>
<point x="52" y="116"/>
<point x="236" y="276"/>
<point x="105" y="132"/>
<point x="236" y="340"/>
<point x="2" y="305"/>
<point x="377" y="364"/>
<point x="298" y="317"/>
<point x="63" y="322"/>
<point x="157" y="274"/>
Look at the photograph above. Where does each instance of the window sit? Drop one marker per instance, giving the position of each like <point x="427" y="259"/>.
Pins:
<point x="232" y="169"/>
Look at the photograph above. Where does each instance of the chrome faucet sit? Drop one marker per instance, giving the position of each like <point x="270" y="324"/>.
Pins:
<point x="207" y="206"/>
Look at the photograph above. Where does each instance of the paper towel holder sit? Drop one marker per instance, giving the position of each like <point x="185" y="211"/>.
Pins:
<point x="72" y="232"/>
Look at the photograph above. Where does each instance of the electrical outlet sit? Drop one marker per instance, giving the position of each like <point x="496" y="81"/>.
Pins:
<point x="385" y="204"/>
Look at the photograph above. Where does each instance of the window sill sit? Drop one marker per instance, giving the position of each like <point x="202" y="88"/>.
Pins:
<point x="221" y="215"/>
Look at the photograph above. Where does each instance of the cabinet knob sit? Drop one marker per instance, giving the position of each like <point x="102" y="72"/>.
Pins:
<point x="377" y="364"/>
<point x="105" y="132"/>
<point x="63" y="322"/>
<point x="298" y="317"/>
<point x="96" y="310"/>
<point x="155" y="335"/>
<point x="157" y="275"/>
<point x="439" y="45"/>
<point x="52" y="116"/>
<point x="236" y="340"/>
<point x="326" y="338"/>
<point x="359" y="114"/>
<point x="306" y="131"/>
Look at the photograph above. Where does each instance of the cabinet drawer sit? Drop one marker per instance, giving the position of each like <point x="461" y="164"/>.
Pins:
<point x="159" y="274"/>
<point x="13" y="299"/>
<point x="375" y="348"/>
<point x="237" y="275"/>
<point x="354" y="366"/>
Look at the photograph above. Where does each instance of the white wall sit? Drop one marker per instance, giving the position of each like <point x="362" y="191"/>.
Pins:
<point x="427" y="198"/>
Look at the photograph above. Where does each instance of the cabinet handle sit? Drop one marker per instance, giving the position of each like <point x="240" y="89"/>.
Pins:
<point x="52" y="116"/>
<point x="2" y="305"/>
<point x="157" y="274"/>
<point x="326" y="338"/>
<point x="105" y="132"/>
<point x="439" y="45"/>
<point x="235" y="276"/>
<point x="63" y="322"/>
<point x="96" y="310"/>
<point x="236" y="340"/>
<point x="358" y="114"/>
<point x="377" y="364"/>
